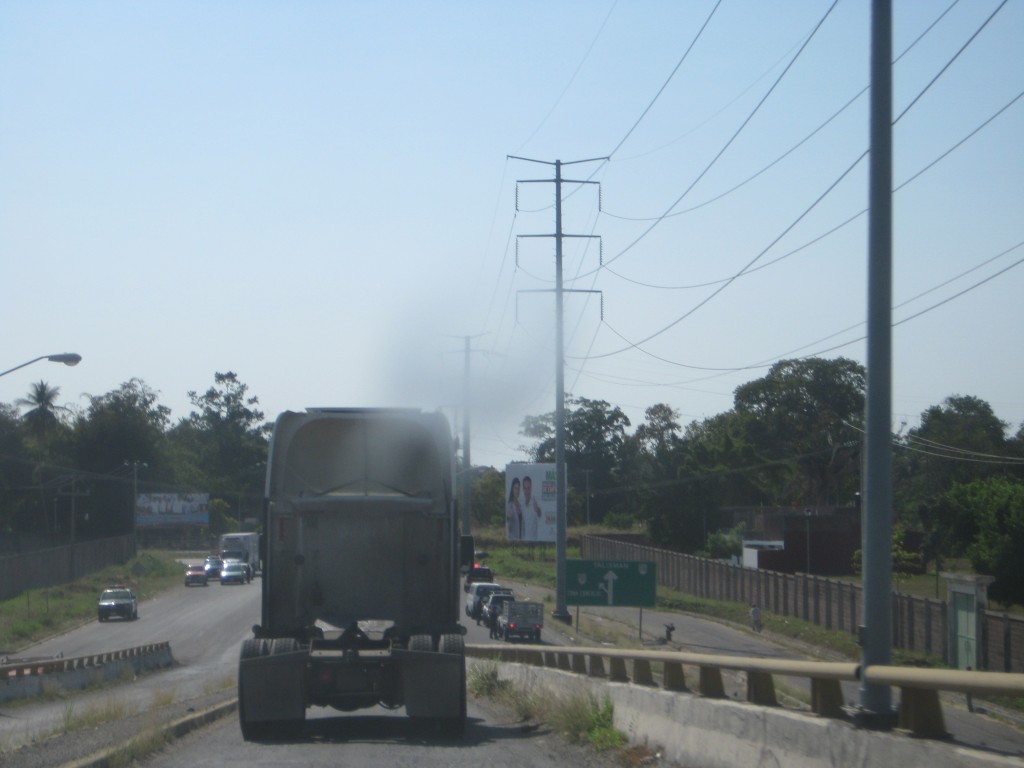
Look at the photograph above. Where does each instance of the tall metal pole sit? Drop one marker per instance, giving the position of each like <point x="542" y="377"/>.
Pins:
<point x="467" y="475"/>
<point x="876" y="700"/>
<point x="561" y="527"/>
<point x="561" y="613"/>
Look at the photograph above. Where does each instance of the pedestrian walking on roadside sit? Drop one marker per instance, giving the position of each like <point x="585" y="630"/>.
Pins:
<point x="495" y="634"/>
<point x="755" y="617"/>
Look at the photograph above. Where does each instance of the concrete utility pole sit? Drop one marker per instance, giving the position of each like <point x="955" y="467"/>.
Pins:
<point x="561" y="612"/>
<point x="133" y="508"/>
<point x="74" y="495"/>
<point x="876" y="632"/>
<point x="467" y="464"/>
<point x="587" y="471"/>
<point x="467" y="475"/>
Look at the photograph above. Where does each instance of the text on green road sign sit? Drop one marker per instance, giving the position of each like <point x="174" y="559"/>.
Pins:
<point x="610" y="582"/>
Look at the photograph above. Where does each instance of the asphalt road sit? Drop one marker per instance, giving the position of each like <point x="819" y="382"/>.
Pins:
<point x="206" y="626"/>
<point x="493" y="738"/>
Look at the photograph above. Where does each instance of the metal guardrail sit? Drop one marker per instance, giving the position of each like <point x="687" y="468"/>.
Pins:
<point x="920" y="709"/>
<point x="14" y="668"/>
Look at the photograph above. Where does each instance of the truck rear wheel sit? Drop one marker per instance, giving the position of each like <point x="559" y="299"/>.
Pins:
<point x="251" y="649"/>
<point x="452" y="643"/>
<point x="455" y="644"/>
<point x="291" y="728"/>
<point x="421" y="643"/>
<point x="265" y="729"/>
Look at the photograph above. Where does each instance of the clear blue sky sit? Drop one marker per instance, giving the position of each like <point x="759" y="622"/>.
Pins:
<point x="317" y="196"/>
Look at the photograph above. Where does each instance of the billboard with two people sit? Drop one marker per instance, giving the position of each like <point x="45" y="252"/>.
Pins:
<point x="531" y="502"/>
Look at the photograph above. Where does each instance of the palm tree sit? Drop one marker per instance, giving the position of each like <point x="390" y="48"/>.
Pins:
<point x="42" y="413"/>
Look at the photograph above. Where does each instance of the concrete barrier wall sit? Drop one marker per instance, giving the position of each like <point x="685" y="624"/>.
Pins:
<point x="24" y="680"/>
<point x="719" y="733"/>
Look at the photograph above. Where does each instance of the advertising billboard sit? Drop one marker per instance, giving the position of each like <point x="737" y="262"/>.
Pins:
<point x="160" y="509"/>
<point x="531" y="502"/>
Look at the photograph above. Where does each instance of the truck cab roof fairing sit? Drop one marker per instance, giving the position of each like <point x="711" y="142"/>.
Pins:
<point x="328" y="452"/>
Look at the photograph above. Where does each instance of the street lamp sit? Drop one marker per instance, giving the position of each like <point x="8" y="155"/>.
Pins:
<point x="68" y="358"/>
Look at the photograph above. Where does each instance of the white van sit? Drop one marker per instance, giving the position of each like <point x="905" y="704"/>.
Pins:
<point x="478" y="594"/>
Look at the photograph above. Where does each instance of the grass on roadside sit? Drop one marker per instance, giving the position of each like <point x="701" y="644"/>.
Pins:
<point x="150" y="740"/>
<point x="93" y="716"/>
<point x="582" y="718"/>
<point x="41" y="613"/>
<point x="151" y="736"/>
<point x="228" y="682"/>
<point x="164" y="697"/>
<point x="534" y="563"/>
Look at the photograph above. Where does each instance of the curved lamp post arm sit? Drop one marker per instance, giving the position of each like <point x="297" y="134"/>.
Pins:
<point x="68" y="358"/>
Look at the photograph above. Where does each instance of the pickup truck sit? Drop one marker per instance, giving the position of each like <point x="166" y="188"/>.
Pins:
<point x="493" y="607"/>
<point x="521" y="620"/>
<point x="478" y="595"/>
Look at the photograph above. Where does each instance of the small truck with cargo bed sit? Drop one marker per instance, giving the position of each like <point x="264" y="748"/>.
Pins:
<point x="361" y="572"/>
<point x="521" y="621"/>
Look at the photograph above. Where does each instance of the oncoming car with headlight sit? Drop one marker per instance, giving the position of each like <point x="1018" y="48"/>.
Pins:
<point x="232" y="572"/>
<point x="195" y="574"/>
<point x="117" y="601"/>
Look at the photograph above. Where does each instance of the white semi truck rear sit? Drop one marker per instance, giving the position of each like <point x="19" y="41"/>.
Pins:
<point x="244" y="547"/>
<point x="361" y="572"/>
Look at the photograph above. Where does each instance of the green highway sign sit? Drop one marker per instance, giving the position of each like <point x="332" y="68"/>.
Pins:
<point x="610" y="582"/>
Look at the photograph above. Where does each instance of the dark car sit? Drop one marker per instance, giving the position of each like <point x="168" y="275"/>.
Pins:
<point x="478" y="594"/>
<point x="212" y="567"/>
<point x="232" y="572"/>
<point x="495" y="604"/>
<point x="246" y="569"/>
<point x="196" y="574"/>
<point x="477" y="573"/>
<point x="117" y="601"/>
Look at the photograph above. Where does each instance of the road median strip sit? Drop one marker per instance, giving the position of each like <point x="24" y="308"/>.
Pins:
<point x="175" y="729"/>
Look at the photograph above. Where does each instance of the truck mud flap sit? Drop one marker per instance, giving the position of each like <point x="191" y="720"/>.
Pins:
<point x="432" y="682"/>
<point x="272" y="688"/>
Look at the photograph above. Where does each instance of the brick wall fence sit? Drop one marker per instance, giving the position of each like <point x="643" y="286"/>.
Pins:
<point x="60" y="565"/>
<point x="919" y="624"/>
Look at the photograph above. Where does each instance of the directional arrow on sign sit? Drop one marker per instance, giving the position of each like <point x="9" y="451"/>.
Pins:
<point x="614" y="583"/>
<point x="609" y="586"/>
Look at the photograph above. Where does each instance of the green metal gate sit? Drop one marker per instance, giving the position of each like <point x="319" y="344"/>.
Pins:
<point x="964" y="623"/>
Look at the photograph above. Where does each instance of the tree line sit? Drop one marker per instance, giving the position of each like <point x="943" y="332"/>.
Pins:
<point x="792" y="438"/>
<point x="73" y="472"/>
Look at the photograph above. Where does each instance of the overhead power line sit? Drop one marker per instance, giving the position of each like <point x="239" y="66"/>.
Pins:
<point x="668" y="80"/>
<point x="943" y="451"/>
<point x="796" y="146"/>
<point x="730" y="140"/>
